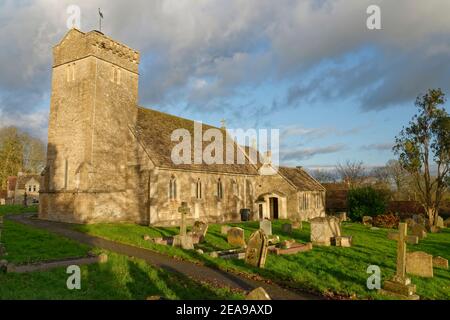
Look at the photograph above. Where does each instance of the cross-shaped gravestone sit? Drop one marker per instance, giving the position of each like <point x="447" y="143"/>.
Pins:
<point x="401" y="253"/>
<point x="400" y="285"/>
<point x="184" y="210"/>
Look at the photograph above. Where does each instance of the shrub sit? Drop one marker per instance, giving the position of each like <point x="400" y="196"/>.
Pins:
<point x="366" y="201"/>
<point x="386" y="221"/>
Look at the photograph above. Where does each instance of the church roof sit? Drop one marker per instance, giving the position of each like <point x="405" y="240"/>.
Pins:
<point x="22" y="180"/>
<point x="301" y="179"/>
<point x="154" y="130"/>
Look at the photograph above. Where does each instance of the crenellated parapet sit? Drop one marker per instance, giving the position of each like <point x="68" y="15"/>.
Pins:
<point x="77" y="45"/>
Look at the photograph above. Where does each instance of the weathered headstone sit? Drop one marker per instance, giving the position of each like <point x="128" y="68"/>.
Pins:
<point x="440" y="222"/>
<point x="400" y="285"/>
<point x="410" y="222"/>
<point x="342" y="216"/>
<point x="199" y="231"/>
<point x="224" y="229"/>
<point x="419" y="218"/>
<point x="447" y="223"/>
<point x="297" y="225"/>
<point x="266" y="226"/>
<point x="440" y="262"/>
<point x="419" y="264"/>
<point x="342" y="241"/>
<point x="256" y="252"/>
<point x="367" y="220"/>
<point x="292" y="249"/>
<point x="286" y="227"/>
<point x="183" y="240"/>
<point x="323" y="229"/>
<point x="435" y="229"/>
<point x="258" y="294"/>
<point x="419" y="230"/>
<point x="235" y="237"/>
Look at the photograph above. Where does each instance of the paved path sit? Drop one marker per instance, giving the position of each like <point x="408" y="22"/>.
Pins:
<point x="192" y="270"/>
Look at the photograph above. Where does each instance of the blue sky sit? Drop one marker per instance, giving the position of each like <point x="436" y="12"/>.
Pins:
<point x="335" y="90"/>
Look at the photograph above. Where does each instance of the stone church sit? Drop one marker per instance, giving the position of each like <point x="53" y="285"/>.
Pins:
<point x="109" y="159"/>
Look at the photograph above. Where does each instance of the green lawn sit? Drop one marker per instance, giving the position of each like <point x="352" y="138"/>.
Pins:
<point x="120" y="278"/>
<point x="327" y="270"/>
<point x="14" y="209"/>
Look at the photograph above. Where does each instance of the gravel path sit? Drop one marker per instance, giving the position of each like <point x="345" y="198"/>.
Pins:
<point x="192" y="270"/>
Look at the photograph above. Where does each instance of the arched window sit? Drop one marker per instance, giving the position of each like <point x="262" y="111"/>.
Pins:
<point x="116" y="75"/>
<point x="198" y="189"/>
<point x="173" y="188"/>
<point x="219" y="189"/>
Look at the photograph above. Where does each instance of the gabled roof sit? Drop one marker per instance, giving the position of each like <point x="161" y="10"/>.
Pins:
<point x="300" y="179"/>
<point x="154" y="130"/>
<point x="22" y="180"/>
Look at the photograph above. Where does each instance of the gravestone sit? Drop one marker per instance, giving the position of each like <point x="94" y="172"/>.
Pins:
<point x="199" y="231"/>
<point x="400" y="285"/>
<point x="410" y="222"/>
<point x="440" y="222"/>
<point x="297" y="225"/>
<point x="439" y="262"/>
<point x="367" y="220"/>
<point x="447" y="223"/>
<point x="224" y="229"/>
<point x="418" y="218"/>
<point x="293" y="248"/>
<point x="183" y="240"/>
<point x="343" y="241"/>
<point x="323" y="229"/>
<point x="419" y="264"/>
<point x="258" y="294"/>
<point x="419" y="230"/>
<point x="266" y="226"/>
<point x="235" y="237"/>
<point x="256" y="252"/>
<point x="286" y="227"/>
<point x="342" y="216"/>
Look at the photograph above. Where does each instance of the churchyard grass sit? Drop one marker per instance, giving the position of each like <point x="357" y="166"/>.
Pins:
<point x="15" y="209"/>
<point x="120" y="278"/>
<point x="330" y="271"/>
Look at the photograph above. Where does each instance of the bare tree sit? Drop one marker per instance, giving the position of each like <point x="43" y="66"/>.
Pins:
<point x="352" y="172"/>
<point x="324" y="176"/>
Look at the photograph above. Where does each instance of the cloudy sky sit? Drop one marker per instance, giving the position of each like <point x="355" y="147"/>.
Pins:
<point x="311" y="68"/>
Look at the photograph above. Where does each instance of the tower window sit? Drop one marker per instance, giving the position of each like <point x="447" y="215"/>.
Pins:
<point x="173" y="188"/>
<point x="70" y="72"/>
<point x="198" y="189"/>
<point x="219" y="189"/>
<point x="116" y="75"/>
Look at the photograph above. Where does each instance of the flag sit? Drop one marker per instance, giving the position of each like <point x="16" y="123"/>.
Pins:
<point x="100" y="13"/>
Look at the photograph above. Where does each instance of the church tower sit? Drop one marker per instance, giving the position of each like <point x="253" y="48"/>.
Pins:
<point x="93" y="103"/>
